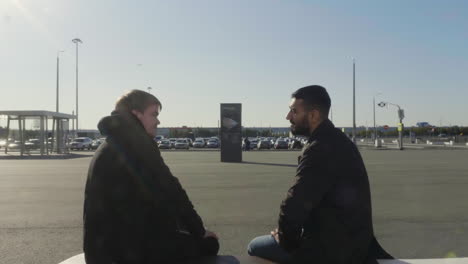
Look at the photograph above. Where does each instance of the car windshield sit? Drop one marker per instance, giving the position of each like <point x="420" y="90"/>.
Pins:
<point x="79" y="140"/>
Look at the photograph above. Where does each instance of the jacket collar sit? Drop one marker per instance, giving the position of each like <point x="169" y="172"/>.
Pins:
<point x="324" y="128"/>
<point x="118" y="121"/>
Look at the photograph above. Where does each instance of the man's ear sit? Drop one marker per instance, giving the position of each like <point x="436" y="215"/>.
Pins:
<point x="317" y="116"/>
<point x="314" y="116"/>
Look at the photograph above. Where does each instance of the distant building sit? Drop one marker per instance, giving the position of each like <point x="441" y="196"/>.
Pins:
<point x="423" y="124"/>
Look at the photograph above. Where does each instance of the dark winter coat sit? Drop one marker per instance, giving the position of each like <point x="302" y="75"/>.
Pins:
<point x="134" y="207"/>
<point x="327" y="216"/>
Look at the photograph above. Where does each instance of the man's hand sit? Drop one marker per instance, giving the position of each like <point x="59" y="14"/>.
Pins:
<point x="275" y="234"/>
<point x="209" y="233"/>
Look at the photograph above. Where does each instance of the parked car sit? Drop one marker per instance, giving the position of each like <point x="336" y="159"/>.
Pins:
<point x="263" y="144"/>
<point x="33" y="143"/>
<point x="4" y="142"/>
<point x="295" y="144"/>
<point x="97" y="142"/>
<point x="164" y="144"/>
<point x="182" y="144"/>
<point x="199" y="143"/>
<point x="212" y="143"/>
<point x="14" y="145"/>
<point x="281" y="144"/>
<point x="272" y="141"/>
<point x="158" y="138"/>
<point x="190" y="142"/>
<point x="81" y="143"/>
<point x="253" y="143"/>
<point x="173" y="141"/>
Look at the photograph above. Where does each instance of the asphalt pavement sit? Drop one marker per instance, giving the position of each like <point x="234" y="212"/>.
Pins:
<point x="420" y="200"/>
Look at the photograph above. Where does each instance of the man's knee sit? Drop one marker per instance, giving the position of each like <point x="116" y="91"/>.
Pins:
<point x="258" y="246"/>
<point x="251" y="248"/>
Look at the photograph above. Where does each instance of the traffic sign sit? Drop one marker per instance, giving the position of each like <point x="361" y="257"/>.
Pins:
<point x="401" y="114"/>
<point x="400" y="127"/>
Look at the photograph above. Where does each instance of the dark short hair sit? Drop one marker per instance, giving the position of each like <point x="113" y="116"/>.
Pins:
<point x="136" y="100"/>
<point x="314" y="96"/>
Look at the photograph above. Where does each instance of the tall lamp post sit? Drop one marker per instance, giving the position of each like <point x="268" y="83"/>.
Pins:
<point x="76" y="41"/>
<point x="57" y="130"/>
<point x="354" y="101"/>
<point x="401" y="115"/>
<point x="57" y="92"/>
<point x="375" y="127"/>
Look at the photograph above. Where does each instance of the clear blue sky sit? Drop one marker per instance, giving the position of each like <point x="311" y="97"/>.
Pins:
<point x="197" y="54"/>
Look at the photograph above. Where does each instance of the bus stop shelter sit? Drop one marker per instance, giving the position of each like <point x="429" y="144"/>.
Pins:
<point x="60" y="130"/>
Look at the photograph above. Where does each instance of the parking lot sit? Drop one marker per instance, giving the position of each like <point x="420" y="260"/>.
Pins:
<point x="419" y="200"/>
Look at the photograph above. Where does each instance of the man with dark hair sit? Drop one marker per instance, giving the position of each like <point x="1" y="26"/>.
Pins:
<point x="135" y="210"/>
<point x="326" y="216"/>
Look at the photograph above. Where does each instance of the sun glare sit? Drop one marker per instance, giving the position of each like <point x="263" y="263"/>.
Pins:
<point x="34" y="21"/>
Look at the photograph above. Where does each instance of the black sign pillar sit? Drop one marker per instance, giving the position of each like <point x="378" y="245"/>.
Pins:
<point x="231" y="133"/>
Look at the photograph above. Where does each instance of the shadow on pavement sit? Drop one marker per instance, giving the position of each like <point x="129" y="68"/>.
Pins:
<point x="270" y="164"/>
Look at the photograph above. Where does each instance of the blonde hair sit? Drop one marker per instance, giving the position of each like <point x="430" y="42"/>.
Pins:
<point x="136" y="100"/>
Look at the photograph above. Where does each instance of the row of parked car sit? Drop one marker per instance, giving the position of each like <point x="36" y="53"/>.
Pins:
<point x="80" y="143"/>
<point x="214" y="142"/>
<point x="16" y="144"/>
<point x="187" y="143"/>
<point x="273" y="143"/>
<point x="86" y="143"/>
<point x="83" y="143"/>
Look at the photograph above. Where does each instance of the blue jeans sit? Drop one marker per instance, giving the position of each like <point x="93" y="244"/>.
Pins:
<point x="266" y="247"/>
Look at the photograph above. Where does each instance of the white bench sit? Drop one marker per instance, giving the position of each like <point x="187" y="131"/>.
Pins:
<point x="79" y="259"/>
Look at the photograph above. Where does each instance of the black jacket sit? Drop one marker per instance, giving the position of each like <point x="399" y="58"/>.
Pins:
<point x="134" y="206"/>
<point x="327" y="216"/>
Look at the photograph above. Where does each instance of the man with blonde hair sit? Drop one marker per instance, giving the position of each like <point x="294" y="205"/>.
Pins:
<point x="135" y="210"/>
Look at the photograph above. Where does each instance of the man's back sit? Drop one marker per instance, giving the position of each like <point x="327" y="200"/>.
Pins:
<point x="119" y="221"/>
<point x="336" y="196"/>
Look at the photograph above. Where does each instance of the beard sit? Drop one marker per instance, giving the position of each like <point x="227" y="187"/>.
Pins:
<point x="300" y="128"/>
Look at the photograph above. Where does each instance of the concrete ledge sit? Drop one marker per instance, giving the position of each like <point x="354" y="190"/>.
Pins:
<point x="79" y="259"/>
<point x="426" y="261"/>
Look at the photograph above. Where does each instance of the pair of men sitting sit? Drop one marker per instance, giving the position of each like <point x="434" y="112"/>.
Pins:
<point x="136" y="211"/>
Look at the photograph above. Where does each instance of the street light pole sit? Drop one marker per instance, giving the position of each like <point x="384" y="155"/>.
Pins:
<point x="375" y="127"/>
<point x="401" y="115"/>
<point x="57" y="126"/>
<point x="76" y="41"/>
<point x="354" y="101"/>
<point x="57" y="92"/>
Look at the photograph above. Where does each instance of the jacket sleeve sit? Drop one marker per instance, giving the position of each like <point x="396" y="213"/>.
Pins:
<point x="185" y="211"/>
<point x="313" y="180"/>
